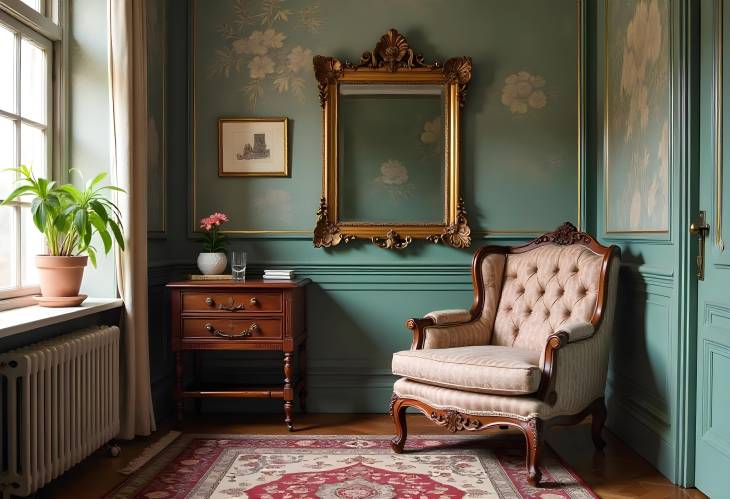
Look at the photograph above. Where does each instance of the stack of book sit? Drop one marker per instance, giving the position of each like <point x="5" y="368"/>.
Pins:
<point x="278" y="274"/>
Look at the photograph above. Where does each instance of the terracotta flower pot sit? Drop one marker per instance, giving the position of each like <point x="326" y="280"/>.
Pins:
<point x="60" y="276"/>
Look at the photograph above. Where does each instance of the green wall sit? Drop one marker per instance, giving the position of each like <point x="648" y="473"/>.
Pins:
<point x="522" y="167"/>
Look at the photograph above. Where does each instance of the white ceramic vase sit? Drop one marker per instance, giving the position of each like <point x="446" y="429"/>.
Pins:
<point x="212" y="263"/>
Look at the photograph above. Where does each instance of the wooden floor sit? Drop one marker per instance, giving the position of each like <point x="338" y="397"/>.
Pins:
<point x="618" y="472"/>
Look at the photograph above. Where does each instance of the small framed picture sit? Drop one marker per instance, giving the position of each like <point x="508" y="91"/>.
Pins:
<point x="255" y="147"/>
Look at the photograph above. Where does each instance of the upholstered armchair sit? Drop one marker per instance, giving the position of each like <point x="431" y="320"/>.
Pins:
<point x="532" y="351"/>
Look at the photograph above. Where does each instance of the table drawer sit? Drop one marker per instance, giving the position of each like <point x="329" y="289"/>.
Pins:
<point x="232" y="302"/>
<point x="232" y="329"/>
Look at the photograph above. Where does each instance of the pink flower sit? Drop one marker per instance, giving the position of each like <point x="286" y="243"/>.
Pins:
<point x="214" y="220"/>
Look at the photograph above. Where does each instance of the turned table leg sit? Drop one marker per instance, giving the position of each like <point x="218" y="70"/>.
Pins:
<point x="303" y="376"/>
<point x="288" y="391"/>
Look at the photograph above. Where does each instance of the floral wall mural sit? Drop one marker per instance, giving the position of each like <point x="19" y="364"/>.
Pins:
<point x="638" y="96"/>
<point x="256" y="50"/>
<point x="520" y="146"/>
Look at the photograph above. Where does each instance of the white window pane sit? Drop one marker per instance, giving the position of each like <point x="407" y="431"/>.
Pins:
<point x="7" y="156"/>
<point x="7" y="70"/>
<point x="7" y="246"/>
<point x="33" y="4"/>
<point x="33" y="244"/>
<point x="32" y="82"/>
<point x="33" y="149"/>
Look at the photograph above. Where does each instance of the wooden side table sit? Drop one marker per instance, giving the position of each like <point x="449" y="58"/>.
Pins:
<point x="255" y="314"/>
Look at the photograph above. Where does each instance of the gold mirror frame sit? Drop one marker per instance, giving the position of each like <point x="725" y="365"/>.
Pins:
<point x="392" y="61"/>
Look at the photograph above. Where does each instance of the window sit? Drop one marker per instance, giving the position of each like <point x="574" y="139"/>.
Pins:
<point x="26" y="138"/>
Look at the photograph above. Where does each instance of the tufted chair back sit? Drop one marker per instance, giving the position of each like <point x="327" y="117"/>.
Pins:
<point x="542" y="289"/>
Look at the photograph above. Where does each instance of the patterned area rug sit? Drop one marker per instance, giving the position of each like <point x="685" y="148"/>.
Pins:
<point x="346" y="467"/>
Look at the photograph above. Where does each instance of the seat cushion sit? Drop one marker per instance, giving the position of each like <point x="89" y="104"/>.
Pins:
<point x="497" y="370"/>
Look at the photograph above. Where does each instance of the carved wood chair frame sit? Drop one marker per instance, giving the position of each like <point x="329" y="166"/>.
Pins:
<point x="392" y="61"/>
<point x="533" y="429"/>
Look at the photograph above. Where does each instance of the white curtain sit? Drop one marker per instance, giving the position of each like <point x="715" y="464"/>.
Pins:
<point x="128" y="92"/>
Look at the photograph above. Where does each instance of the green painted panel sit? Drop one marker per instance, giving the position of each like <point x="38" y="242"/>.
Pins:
<point x="638" y="116"/>
<point x="156" y="55"/>
<point x="637" y="197"/>
<point x="712" y="460"/>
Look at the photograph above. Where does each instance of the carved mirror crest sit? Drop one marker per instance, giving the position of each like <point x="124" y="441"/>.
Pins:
<point x="391" y="165"/>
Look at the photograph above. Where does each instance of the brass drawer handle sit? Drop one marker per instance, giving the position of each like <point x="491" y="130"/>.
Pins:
<point x="243" y="334"/>
<point x="253" y="301"/>
<point x="228" y="308"/>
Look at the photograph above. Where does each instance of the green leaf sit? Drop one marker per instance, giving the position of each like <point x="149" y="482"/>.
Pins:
<point x="80" y="221"/>
<point x="17" y="192"/>
<point x="113" y="188"/>
<point x="117" y="233"/>
<point x="100" y="210"/>
<point x="91" y="183"/>
<point x="100" y="226"/>
<point x="72" y="192"/>
<point x="92" y="255"/>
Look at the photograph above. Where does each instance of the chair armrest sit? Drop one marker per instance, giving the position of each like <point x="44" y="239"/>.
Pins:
<point x="569" y="333"/>
<point x="449" y="316"/>
<point x="418" y="327"/>
<point x="437" y="318"/>
<point x="577" y="331"/>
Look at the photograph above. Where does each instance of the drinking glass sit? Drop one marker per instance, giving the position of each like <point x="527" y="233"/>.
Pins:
<point x="238" y="265"/>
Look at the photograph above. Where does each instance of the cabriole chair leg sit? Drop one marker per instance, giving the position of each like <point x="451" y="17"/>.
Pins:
<point x="533" y="430"/>
<point x="398" y="411"/>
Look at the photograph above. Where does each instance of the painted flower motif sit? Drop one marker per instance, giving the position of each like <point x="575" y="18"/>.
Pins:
<point x="522" y="91"/>
<point x="272" y="39"/>
<point x="392" y="172"/>
<point x="260" y="66"/>
<point x="656" y="196"/>
<point x="256" y="43"/>
<point x="431" y="131"/>
<point x="642" y="48"/>
<point x="298" y="58"/>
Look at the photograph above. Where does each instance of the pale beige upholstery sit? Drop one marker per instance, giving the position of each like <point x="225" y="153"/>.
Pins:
<point x="496" y="369"/>
<point x="476" y="332"/>
<point x="449" y="316"/>
<point x="544" y="289"/>
<point x="484" y="369"/>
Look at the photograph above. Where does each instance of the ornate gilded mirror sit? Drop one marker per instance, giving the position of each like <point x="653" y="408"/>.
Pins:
<point x="391" y="147"/>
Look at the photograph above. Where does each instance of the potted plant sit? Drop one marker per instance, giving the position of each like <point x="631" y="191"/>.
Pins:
<point x="68" y="218"/>
<point x="213" y="260"/>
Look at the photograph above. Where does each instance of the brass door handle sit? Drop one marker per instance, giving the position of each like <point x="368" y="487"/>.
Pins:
<point x="701" y="228"/>
<point x="243" y="334"/>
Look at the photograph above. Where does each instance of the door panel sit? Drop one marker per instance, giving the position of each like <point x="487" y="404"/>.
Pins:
<point x="712" y="462"/>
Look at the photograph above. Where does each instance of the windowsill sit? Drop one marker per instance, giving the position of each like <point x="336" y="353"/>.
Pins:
<point x="20" y="320"/>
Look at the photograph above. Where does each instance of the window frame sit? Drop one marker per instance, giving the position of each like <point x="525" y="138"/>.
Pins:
<point x="42" y="30"/>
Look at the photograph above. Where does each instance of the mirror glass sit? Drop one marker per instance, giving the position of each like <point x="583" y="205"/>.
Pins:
<point x="391" y="153"/>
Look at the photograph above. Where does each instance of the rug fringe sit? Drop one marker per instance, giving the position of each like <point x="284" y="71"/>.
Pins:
<point x="149" y="452"/>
